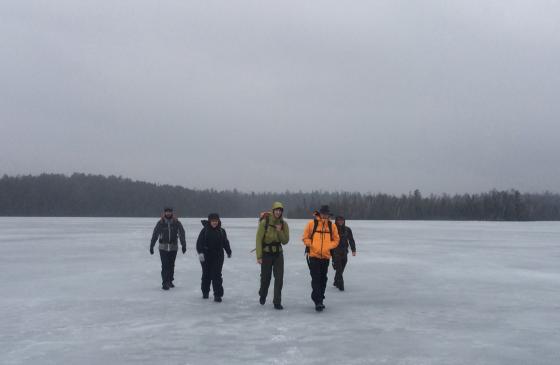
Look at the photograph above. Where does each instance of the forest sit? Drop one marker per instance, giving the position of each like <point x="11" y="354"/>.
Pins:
<point x="86" y="195"/>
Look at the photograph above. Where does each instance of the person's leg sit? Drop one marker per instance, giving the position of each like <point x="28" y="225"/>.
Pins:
<point x="340" y="271"/>
<point x="205" y="279"/>
<point x="336" y="267"/>
<point x="316" y="280"/>
<point x="164" y="267"/>
<point x="278" y="270"/>
<point x="266" y="273"/>
<point x="172" y="257"/>
<point x="217" y="281"/>
<point x="324" y="268"/>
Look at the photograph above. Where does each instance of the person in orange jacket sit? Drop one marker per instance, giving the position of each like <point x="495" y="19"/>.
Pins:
<point x="320" y="237"/>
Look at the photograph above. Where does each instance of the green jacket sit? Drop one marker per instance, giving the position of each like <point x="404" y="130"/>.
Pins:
<point x="271" y="235"/>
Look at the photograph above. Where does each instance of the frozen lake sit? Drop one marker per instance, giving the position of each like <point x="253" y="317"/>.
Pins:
<point x="86" y="291"/>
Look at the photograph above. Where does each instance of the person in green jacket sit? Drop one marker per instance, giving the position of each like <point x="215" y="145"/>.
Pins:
<point x="273" y="232"/>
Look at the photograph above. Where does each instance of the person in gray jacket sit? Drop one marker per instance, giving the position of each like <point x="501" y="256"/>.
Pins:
<point x="168" y="231"/>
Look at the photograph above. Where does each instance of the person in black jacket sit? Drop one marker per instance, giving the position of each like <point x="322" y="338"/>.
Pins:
<point x="168" y="232"/>
<point x="210" y="245"/>
<point x="340" y="253"/>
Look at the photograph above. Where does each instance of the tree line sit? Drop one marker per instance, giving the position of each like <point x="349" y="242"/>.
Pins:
<point x="85" y="195"/>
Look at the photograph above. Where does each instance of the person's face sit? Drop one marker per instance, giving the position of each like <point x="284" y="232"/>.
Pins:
<point x="324" y="216"/>
<point x="277" y="212"/>
<point x="168" y="213"/>
<point x="214" y="223"/>
<point x="340" y="222"/>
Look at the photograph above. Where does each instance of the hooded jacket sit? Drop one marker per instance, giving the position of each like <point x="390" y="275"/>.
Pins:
<point x="168" y="232"/>
<point x="321" y="244"/>
<point x="346" y="240"/>
<point x="268" y="238"/>
<point x="212" y="240"/>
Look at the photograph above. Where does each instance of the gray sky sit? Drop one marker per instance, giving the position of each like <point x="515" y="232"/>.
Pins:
<point x="371" y="96"/>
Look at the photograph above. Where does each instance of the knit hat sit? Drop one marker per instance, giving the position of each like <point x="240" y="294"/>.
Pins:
<point x="213" y="216"/>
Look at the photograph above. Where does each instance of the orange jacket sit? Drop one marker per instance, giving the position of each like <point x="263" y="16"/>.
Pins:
<point x="321" y="245"/>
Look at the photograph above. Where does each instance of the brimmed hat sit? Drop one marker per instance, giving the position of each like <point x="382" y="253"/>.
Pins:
<point x="325" y="210"/>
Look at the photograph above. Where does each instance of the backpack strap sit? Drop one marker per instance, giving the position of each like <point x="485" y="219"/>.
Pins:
<point x="316" y="223"/>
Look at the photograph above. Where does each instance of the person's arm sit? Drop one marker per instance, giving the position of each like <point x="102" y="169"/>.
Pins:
<point x="351" y="240"/>
<point x="200" y="242"/>
<point x="259" y="239"/>
<point x="155" y="235"/>
<point x="336" y="237"/>
<point x="284" y="233"/>
<point x="182" y="236"/>
<point x="306" y="233"/>
<point x="227" y="247"/>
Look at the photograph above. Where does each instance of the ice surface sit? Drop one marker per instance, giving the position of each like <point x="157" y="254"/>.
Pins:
<point x="86" y="291"/>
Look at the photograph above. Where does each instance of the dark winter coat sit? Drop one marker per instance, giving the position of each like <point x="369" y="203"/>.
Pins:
<point x="346" y="239"/>
<point x="168" y="232"/>
<point x="212" y="240"/>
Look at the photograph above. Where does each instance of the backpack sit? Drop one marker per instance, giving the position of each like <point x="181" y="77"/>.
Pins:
<point x="316" y="223"/>
<point x="266" y="216"/>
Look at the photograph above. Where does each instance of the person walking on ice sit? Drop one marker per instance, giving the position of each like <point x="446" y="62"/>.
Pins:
<point x="168" y="231"/>
<point x="319" y="237"/>
<point x="273" y="232"/>
<point x="211" y="243"/>
<point x="340" y="253"/>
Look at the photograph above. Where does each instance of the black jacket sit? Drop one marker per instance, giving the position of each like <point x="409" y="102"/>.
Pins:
<point x="346" y="239"/>
<point x="212" y="240"/>
<point x="169" y="231"/>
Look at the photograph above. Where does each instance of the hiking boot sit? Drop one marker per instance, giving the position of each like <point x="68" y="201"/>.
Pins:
<point x="218" y="299"/>
<point x="204" y="295"/>
<point x="278" y="306"/>
<point x="262" y="300"/>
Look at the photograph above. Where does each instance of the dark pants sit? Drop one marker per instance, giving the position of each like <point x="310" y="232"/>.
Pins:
<point x="339" y="263"/>
<point x="212" y="273"/>
<point x="318" y="269"/>
<point x="272" y="263"/>
<point x="167" y="265"/>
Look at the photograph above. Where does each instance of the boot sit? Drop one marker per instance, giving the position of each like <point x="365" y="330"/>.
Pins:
<point x="204" y="295"/>
<point x="278" y="306"/>
<point x="165" y="286"/>
<point x="171" y="285"/>
<point x="218" y="299"/>
<point x="262" y="300"/>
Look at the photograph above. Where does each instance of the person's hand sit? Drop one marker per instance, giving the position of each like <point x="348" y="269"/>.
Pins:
<point x="353" y="253"/>
<point x="259" y="261"/>
<point x="201" y="257"/>
<point x="184" y="249"/>
<point x="278" y="227"/>
<point x="151" y="250"/>
<point x="229" y="255"/>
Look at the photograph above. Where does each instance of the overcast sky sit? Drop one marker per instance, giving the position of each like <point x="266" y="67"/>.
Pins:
<point x="370" y="96"/>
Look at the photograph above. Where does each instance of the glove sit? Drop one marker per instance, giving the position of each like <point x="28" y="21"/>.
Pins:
<point x="201" y="257"/>
<point x="184" y="249"/>
<point x="229" y="255"/>
<point x="151" y="250"/>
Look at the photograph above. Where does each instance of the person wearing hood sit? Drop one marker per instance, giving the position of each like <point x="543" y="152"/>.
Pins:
<point x="320" y="236"/>
<point x="340" y="253"/>
<point x="210" y="245"/>
<point x="273" y="232"/>
<point x="168" y="232"/>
